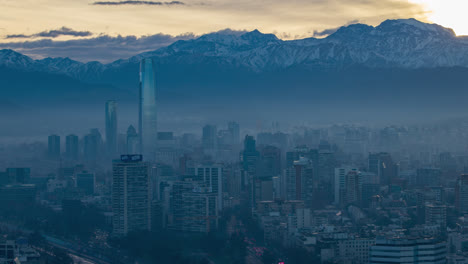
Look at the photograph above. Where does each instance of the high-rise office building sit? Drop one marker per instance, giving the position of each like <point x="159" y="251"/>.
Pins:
<point x="382" y="165"/>
<point x="345" y="184"/>
<point x="122" y="144"/>
<point x="325" y="170"/>
<point x="250" y="156"/>
<point x="86" y="181"/>
<point x="263" y="189"/>
<point x="54" y="146"/>
<point x="194" y="208"/>
<point x="72" y="147"/>
<point x="270" y="162"/>
<point x="305" y="177"/>
<point x="111" y="127"/>
<point x="210" y="176"/>
<point x="436" y="214"/>
<point x="326" y="166"/>
<point x="370" y="187"/>
<point x="461" y="194"/>
<point x="210" y="137"/>
<point x="17" y="175"/>
<point x="300" y="181"/>
<point x="131" y="195"/>
<point x="234" y="131"/>
<point x="299" y="151"/>
<point x="148" y="108"/>
<point x="92" y="145"/>
<point x="132" y="141"/>
<point x="250" y="159"/>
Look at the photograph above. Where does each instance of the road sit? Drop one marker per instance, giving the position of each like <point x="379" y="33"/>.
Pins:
<point x="75" y="251"/>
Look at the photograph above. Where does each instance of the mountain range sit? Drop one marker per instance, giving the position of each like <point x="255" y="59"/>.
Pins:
<point x="404" y="61"/>
<point x="404" y="43"/>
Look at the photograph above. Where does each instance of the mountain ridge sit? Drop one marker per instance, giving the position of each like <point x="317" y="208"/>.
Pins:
<point x="405" y="43"/>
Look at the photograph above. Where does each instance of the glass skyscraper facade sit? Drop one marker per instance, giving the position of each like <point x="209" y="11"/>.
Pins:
<point x="111" y="127"/>
<point x="147" y="112"/>
<point x="72" y="147"/>
<point x="54" y="146"/>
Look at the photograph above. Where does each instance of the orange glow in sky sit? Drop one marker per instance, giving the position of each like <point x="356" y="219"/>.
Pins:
<point x="448" y="13"/>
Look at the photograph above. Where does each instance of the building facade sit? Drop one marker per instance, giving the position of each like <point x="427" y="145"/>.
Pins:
<point x="430" y="251"/>
<point x="131" y="195"/>
<point x="148" y="108"/>
<point x="111" y="127"/>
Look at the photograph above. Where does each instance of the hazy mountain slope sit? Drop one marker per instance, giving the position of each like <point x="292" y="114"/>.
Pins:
<point x="42" y="88"/>
<point x="398" y="63"/>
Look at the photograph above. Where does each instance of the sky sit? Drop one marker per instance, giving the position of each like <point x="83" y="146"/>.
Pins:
<point x="68" y="28"/>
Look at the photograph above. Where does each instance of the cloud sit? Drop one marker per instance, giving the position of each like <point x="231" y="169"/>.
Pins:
<point x="228" y="31"/>
<point x="63" y="31"/>
<point x="17" y="36"/>
<point x="329" y="31"/>
<point x="103" y="48"/>
<point x="298" y="18"/>
<point x="117" y="3"/>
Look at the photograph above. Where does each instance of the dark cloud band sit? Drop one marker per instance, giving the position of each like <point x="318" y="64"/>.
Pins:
<point x="64" y="31"/>
<point x="117" y="3"/>
<point x="102" y="48"/>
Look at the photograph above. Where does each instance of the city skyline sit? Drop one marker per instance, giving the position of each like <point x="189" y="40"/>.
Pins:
<point x="316" y="144"/>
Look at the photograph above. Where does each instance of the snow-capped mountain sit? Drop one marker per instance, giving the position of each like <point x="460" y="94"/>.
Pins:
<point x="394" y="43"/>
<point x="12" y="59"/>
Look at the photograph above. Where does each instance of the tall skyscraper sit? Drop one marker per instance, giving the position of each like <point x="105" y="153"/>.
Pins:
<point x="353" y="187"/>
<point x="54" y="146"/>
<point x="131" y="195"/>
<point x="71" y="147"/>
<point x="111" y="127"/>
<point x="148" y="108"/>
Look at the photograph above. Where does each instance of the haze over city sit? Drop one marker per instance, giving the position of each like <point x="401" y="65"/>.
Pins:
<point x="233" y="132"/>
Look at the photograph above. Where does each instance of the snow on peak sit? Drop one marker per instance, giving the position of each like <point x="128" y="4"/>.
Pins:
<point x="416" y="24"/>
